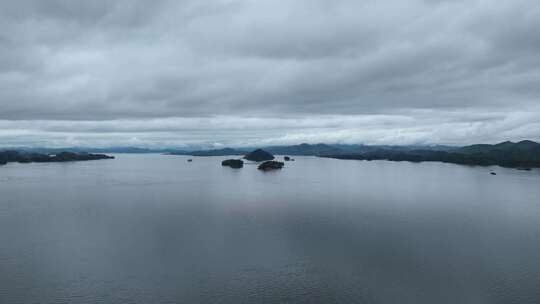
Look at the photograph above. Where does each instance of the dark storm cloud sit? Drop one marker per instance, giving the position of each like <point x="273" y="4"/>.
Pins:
<point x="74" y="70"/>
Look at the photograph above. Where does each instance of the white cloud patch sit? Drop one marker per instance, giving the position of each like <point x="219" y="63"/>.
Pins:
<point x="413" y="127"/>
<point x="240" y="72"/>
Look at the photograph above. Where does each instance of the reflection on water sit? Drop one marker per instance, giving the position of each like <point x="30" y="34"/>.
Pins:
<point x="159" y="229"/>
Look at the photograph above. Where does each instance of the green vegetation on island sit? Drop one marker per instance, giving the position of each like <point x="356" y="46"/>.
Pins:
<point x="259" y="155"/>
<point x="233" y="163"/>
<point x="271" y="165"/>
<point x="23" y="157"/>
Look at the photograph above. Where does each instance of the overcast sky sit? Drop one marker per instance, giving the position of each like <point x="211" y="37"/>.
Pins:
<point x="258" y="72"/>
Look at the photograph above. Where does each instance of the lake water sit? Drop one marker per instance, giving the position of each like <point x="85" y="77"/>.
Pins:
<point x="159" y="229"/>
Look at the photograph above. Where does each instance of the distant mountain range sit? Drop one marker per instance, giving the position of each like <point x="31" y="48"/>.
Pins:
<point x="309" y="150"/>
<point x="524" y="154"/>
<point x="301" y="149"/>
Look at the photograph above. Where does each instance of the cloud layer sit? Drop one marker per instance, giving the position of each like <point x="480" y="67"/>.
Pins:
<point x="232" y="72"/>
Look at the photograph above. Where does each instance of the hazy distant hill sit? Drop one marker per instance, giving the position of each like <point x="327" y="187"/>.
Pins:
<point x="326" y="149"/>
<point x="305" y="149"/>
<point x="217" y="152"/>
<point x="301" y="149"/>
<point x="212" y="152"/>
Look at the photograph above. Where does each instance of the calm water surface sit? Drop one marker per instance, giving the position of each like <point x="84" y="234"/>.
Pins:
<point x="157" y="229"/>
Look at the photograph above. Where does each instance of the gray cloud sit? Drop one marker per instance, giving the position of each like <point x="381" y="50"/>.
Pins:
<point x="246" y="72"/>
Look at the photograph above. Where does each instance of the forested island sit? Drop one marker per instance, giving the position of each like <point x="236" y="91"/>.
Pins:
<point x="25" y="157"/>
<point x="259" y="155"/>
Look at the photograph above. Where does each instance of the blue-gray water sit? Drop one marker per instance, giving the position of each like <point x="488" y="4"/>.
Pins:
<point x="157" y="229"/>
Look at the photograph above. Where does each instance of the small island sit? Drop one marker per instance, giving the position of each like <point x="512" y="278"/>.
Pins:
<point x="259" y="155"/>
<point x="271" y="165"/>
<point x="23" y="157"/>
<point x="233" y="163"/>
